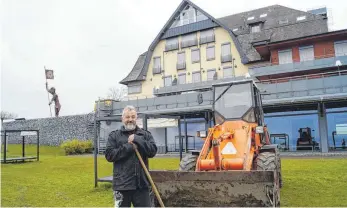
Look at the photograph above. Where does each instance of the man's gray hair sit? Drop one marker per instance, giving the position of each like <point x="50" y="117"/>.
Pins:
<point x="128" y="108"/>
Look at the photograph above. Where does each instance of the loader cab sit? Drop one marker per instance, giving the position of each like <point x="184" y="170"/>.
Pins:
<point x="237" y="100"/>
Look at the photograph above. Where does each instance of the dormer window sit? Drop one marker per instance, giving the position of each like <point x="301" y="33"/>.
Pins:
<point x="255" y="28"/>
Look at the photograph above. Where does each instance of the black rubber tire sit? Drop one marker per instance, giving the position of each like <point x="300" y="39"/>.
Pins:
<point x="270" y="161"/>
<point x="188" y="163"/>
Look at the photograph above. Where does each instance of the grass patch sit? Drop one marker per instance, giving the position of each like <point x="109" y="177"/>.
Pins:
<point x="68" y="181"/>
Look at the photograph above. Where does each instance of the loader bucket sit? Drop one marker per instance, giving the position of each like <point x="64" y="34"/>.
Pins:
<point x="216" y="189"/>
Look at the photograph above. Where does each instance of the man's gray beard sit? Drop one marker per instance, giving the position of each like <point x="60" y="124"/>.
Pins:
<point x="130" y="126"/>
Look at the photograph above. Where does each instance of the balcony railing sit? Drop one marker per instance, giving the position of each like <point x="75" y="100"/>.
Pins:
<point x="181" y="66"/>
<point x="326" y="84"/>
<point x="320" y="63"/>
<point x="191" y="86"/>
<point x="182" y="102"/>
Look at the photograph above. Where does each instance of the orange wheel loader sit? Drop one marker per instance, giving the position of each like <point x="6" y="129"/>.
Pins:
<point x="237" y="166"/>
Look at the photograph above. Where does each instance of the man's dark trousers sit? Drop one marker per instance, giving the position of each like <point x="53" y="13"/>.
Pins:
<point x="139" y="198"/>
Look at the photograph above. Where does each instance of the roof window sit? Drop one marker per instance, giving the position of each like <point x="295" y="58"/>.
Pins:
<point x="250" y="18"/>
<point x="283" y="21"/>
<point x="300" y="18"/>
<point x="263" y="15"/>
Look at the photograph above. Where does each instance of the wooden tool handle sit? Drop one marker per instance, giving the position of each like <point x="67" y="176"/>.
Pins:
<point x="149" y="177"/>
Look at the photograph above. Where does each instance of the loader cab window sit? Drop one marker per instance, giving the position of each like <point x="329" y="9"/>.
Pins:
<point x="235" y="102"/>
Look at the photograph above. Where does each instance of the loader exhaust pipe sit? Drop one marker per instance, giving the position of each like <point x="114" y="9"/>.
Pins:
<point x="217" y="154"/>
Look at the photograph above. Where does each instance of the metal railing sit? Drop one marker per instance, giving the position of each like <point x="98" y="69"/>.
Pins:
<point x="307" y="86"/>
<point x="325" y="61"/>
<point x="164" y="102"/>
<point x="190" y="85"/>
<point x="305" y="77"/>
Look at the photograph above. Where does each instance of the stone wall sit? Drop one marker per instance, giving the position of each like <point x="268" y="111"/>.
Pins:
<point x="53" y="131"/>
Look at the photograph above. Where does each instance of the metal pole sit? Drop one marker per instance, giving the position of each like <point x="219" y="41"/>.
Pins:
<point x="166" y="148"/>
<point x="23" y="146"/>
<point x="5" y="147"/>
<point x="95" y="148"/>
<point x="38" y="145"/>
<point x="48" y="93"/>
<point x="179" y="137"/>
<point x="145" y="127"/>
<point x="186" y="133"/>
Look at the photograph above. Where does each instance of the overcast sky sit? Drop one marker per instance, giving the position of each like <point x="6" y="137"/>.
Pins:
<point x="92" y="44"/>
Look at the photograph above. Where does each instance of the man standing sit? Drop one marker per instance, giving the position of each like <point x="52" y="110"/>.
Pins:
<point x="130" y="183"/>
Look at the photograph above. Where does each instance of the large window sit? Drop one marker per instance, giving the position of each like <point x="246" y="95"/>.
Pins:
<point x="156" y="65"/>
<point x="228" y="72"/>
<point x="337" y="129"/>
<point x="235" y="101"/>
<point x="182" y="78"/>
<point x="306" y="53"/>
<point x="207" y="36"/>
<point x="195" y="55"/>
<point x="211" y="74"/>
<point x="187" y="16"/>
<point x="210" y="53"/>
<point x="196" y="77"/>
<point x="167" y="81"/>
<point x="189" y="40"/>
<point x="285" y="56"/>
<point x="171" y="44"/>
<point x="226" y="53"/>
<point x="341" y="48"/>
<point x="181" y="60"/>
<point x="134" y="88"/>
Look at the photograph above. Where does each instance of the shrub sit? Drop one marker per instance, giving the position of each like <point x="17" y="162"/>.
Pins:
<point x="76" y="146"/>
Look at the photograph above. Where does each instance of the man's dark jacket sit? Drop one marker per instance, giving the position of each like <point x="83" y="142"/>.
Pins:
<point x="128" y="173"/>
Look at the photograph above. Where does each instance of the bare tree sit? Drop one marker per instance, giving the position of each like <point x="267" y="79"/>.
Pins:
<point x="117" y="93"/>
<point x="7" y="115"/>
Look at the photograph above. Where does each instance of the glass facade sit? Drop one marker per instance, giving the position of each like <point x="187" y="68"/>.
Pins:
<point x="290" y="124"/>
<point x="194" y="142"/>
<point x="337" y="129"/>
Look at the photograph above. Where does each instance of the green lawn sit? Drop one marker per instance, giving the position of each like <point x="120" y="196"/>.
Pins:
<point x="59" y="180"/>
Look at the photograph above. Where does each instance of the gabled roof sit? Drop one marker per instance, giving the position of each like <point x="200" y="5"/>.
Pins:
<point x="272" y="31"/>
<point x="136" y="71"/>
<point x="142" y="75"/>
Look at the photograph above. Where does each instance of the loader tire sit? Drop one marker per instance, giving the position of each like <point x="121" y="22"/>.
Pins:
<point x="270" y="161"/>
<point x="188" y="163"/>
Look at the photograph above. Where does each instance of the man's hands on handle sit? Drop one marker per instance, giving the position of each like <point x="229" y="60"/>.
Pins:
<point x="131" y="139"/>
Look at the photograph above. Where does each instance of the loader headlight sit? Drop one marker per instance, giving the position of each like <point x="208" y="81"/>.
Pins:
<point x="201" y="134"/>
<point x="259" y="130"/>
